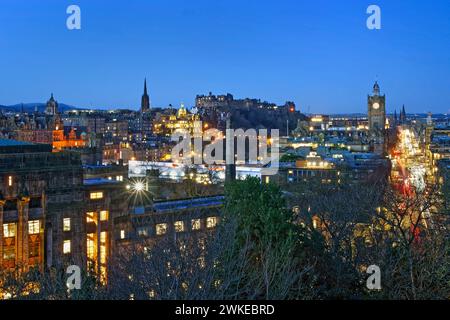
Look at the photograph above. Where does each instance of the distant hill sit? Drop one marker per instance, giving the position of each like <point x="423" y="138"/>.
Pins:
<point x="29" y="107"/>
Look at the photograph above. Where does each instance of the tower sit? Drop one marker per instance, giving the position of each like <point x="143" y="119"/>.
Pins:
<point x="51" y="108"/>
<point x="230" y="165"/>
<point x="403" y="115"/>
<point x="145" y="101"/>
<point x="376" y="105"/>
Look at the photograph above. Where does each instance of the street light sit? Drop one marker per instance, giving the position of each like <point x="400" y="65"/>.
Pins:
<point x="138" y="186"/>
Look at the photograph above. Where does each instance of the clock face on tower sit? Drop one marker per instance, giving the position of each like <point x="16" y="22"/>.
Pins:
<point x="376" y="105"/>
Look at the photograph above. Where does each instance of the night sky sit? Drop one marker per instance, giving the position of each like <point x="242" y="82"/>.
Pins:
<point x="318" y="54"/>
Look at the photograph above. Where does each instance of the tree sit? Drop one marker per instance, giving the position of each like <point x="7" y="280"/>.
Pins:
<point x="267" y="241"/>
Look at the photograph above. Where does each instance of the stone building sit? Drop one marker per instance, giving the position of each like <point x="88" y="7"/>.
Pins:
<point x="39" y="189"/>
<point x="49" y="215"/>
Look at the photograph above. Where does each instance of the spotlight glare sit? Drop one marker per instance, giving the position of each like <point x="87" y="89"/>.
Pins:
<point x="139" y="186"/>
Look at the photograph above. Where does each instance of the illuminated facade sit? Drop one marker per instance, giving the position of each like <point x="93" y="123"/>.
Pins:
<point x="38" y="190"/>
<point x="166" y="125"/>
<point x="49" y="215"/>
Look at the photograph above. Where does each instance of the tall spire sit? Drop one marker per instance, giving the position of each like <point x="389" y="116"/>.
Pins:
<point x="145" y="102"/>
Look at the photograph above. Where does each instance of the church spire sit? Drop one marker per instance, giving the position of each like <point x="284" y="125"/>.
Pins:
<point x="145" y="102"/>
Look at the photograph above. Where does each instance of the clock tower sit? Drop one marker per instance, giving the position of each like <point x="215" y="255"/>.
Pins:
<point x="376" y="104"/>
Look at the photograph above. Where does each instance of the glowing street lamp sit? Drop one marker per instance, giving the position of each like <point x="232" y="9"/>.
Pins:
<point x="138" y="186"/>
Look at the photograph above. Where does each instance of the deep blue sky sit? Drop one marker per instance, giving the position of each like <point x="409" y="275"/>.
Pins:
<point x="317" y="53"/>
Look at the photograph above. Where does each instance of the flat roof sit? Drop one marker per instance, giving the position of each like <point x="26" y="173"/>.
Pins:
<point x="98" y="181"/>
<point x="8" y="143"/>
<point x="14" y="146"/>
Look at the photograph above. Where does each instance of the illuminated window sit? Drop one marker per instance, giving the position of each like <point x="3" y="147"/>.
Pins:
<point x="196" y="224"/>
<point x="122" y="234"/>
<point x="90" y="246"/>
<point x="66" y="224"/>
<point x="211" y="222"/>
<point x="119" y="178"/>
<point x="103" y="215"/>
<point x="179" y="226"/>
<point x="161" y="229"/>
<point x="142" y="232"/>
<point x="66" y="246"/>
<point x="10" y="181"/>
<point x="9" y="230"/>
<point x="34" y="227"/>
<point x="103" y="253"/>
<point x="90" y="217"/>
<point x="96" y="195"/>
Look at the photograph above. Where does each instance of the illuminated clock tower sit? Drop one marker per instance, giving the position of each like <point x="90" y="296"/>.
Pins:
<point x="376" y="104"/>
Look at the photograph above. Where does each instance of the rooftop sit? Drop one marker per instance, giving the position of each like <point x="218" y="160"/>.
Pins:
<point x="98" y="181"/>
<point x="13" y="146"/>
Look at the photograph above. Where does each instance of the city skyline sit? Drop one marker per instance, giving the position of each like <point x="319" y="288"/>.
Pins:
<point x="310" y="50"/>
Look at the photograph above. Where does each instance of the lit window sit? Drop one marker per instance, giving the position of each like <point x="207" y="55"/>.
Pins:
<point x="103" y="215"/>
<point x="142" y="232"/>
<point x="196" y="224"/>
<point x="122" y="234"/>
<point x="91" y="246"/>
<point x="119" y="178"/>
<point x="10" y="181"/>
<point x="90" y="217"/>
<point x="103" y="235"/>
<point x="161" y="229"/>
<point x="96" y="195"/>
<point x="103" y="253"/>
<point x="211" y="222"/>
<point x="179" y="226"/>
<point x="66" y="246"/>
<point x="34" y="227"/>
<point x="66" y="224"/>
<point x="9" y="230"/>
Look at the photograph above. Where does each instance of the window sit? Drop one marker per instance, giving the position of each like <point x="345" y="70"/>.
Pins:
<point x="119" y="178"/>
<point x="9" y="230"/>
<point x="90" y="246"/>
<point x="9" y="253"/>
<point x="66" y="246"/>
<point x="179" y="226"/>
<point x="142" y="232"/>
<point x="90" y="217"/>
<point x="211" y="222"/>
<point x="161" y="229"/>
<point x="103" y="252"/>
<point x="196" y="224"/>
<point x="103" y="215"/>
<point x="96" y="195"/>
<point x="122" y="234"/>
<point x="66" y="224"/>
<point x="34" y="227"/>
<point x="10" y="181"/>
